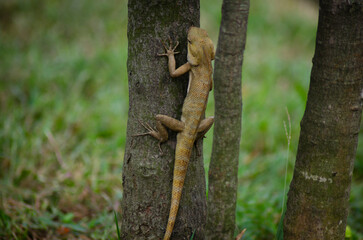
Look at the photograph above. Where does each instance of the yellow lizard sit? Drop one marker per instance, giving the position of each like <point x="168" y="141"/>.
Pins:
<point x="191" y="127"/>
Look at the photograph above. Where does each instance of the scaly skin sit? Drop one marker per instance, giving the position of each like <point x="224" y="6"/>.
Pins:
<point x="191" y="127"/>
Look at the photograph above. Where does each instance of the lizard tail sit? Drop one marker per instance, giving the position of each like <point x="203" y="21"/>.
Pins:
<point x="182" y="156"/>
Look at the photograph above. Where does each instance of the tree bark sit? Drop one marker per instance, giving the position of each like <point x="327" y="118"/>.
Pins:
<point x="147" y="174"/>
<point x="228" y="112"/>
<point x="317" y="206"/>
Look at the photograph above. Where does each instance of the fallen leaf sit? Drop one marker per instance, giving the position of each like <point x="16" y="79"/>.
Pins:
<point x="63" y="230"/>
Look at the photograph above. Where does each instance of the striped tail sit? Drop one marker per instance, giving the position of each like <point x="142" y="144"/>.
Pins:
<point x="182" y="156"/>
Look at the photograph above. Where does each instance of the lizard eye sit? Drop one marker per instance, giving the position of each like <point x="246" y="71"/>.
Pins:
<point x="189" y="41"/>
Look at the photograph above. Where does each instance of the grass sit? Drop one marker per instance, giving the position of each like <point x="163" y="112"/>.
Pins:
<point x="63" y="115"/>
<point x="117" y="227"/>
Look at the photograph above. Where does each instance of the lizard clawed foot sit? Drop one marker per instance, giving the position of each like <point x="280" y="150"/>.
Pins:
<point x="147" y="127"/>
<point x="170" y="49"/>
<point x="199" y="152"/>
<point x="161" y="150"/>
<point x="152" y="132"/>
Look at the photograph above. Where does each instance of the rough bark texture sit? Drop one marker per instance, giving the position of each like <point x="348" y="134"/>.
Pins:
<point x="317" y="206"/>
<point x="228" y="112"/>
<point x="147" y="175"/>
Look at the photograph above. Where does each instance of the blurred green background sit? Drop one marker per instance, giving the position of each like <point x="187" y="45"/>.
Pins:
<point x="64" y="103"/>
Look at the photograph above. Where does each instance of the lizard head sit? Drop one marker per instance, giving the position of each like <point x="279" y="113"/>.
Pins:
<point x="200" y="46"/>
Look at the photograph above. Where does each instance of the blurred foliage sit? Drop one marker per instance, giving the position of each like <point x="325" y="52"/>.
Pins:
<point x="64" y="103"/>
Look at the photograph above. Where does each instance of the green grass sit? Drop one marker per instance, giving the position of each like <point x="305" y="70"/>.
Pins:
<point x="64" y="103"/>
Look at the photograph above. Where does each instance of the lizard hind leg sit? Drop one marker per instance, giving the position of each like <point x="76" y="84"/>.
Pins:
<point x="203" y="128"/>
<point x="163" y="121"/>
<point x="170" y="122"/>
<point x="161" y="133"/>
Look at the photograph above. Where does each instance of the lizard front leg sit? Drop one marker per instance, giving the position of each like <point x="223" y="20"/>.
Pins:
<point x="171" y="60"/>
<point x="161" y="133"/>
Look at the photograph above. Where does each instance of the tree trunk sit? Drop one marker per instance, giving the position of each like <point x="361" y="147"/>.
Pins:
<point x="317" y="206"/>
<point x="147" y="174"/>
<point x="228" y="112"/>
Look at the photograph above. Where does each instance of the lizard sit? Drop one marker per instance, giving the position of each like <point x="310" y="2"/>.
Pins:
<point x="191" y="127"/>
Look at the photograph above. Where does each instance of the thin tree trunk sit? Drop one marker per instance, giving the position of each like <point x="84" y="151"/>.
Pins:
<point x="317" y="206"/>
<point x="147" y="174"/>
<point x="228" y="112"/>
